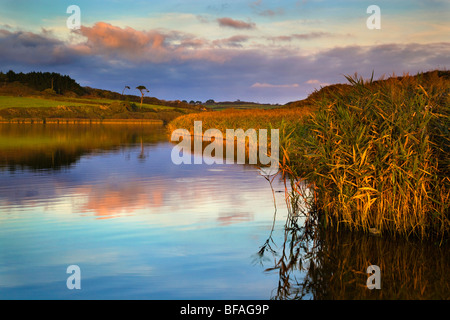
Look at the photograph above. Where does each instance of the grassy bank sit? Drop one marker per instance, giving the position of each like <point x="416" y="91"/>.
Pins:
<point x="55" y="109"/>
<point x="376" y="153"/>
<point x="55" y="146"/>
<point x="243" y="119"/>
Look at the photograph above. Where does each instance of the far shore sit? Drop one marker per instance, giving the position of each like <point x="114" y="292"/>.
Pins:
<point x="81" y="121"/>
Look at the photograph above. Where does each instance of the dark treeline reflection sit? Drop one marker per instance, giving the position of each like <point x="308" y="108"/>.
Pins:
<point x="313" y="263"/>
<point x="56" y="146"/>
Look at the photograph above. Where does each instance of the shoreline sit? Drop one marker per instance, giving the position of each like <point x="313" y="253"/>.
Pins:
<point x="81" y="121"/>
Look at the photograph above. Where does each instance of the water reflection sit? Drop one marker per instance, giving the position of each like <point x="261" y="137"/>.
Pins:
<point x="313" y="263"/>
<point x="138" y="226"/>
<point x="110" y="199"/>
<point x="122" y="183"/>
<point x="57" y="146"/>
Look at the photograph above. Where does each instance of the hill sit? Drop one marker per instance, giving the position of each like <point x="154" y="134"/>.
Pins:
<point x="41" y="97"/>
<point x="46" y="84"/>
<point x="342" y="89"/>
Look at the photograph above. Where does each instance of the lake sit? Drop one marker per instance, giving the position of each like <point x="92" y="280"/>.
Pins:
<point x="108" y="199"/>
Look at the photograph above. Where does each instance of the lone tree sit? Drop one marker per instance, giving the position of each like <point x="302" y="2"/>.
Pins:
<point x="142" y="89"/>
<point x="126" y="87"/>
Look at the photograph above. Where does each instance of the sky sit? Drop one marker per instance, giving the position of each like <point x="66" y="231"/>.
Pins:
<point x="257" y="50"/>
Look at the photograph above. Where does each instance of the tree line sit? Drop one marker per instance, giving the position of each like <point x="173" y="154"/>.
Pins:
<point x="40" y="81"/>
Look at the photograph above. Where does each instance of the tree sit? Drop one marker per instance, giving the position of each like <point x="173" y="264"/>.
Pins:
<point x="11" y="75"/>
<point x="3" y="78"/>
<point x="41" y="81"/>
<point x="142" y="89"/>
<point x="126" y="87"/>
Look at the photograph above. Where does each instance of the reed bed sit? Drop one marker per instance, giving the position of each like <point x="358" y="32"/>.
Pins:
<point x="378" y="156"/>
<point x="242" y="119"/>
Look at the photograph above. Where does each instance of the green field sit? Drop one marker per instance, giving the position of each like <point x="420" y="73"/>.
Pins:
<point x="45" y="109"/>
<point x="26" y="102"/>
<point x="37" y="102"/>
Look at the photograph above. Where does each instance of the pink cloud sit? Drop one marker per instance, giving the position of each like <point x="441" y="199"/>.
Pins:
<point x="153" y="45"/>
<point x="237" y="24"/>
<point x="234" y="41"/>
<point x="106" y="38"/>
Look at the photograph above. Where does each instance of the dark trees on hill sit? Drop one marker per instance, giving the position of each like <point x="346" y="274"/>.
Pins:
<point x="45" y="80"/>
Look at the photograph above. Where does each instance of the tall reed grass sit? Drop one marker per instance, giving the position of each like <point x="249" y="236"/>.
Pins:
<point x="242" y="119"/>
<point x="378" y="156"/>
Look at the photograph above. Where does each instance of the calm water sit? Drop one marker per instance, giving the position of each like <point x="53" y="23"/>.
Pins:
<point x="109" y="199"/>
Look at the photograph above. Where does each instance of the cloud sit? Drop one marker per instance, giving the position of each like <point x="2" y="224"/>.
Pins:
<point x="301" y="36"/>
<point x="106" y="39"/>
<point x="31" y="48"/>
<point x="203" y="19"/>
<point x="179" y="65"/>
<point x="316" y="82"/>
<point x="311" y="35"/>
<point x="108" y="36"/>
<point x="257" y="7"/>
<point x="234" y="41"/>
<point x="268" y="85"/>
<point x="236" y="24"/>
<point x="146" y="46"/>
<point x="272" y="13"/>
<point x="111" y="44"/>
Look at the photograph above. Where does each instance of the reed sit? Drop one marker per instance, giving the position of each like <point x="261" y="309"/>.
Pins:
<point x="242" y="119"/>
<point x="377" y="155"/>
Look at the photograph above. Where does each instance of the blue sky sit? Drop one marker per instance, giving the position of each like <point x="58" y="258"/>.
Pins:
<point x="258" y="50"/>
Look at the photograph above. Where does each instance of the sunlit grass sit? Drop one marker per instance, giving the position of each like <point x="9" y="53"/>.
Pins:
<point x="39" y="102"/>
<point x="26" y="102"/>
<point x="378" y="156"/>
<point x="42" y="109"/>
<point x="241" y="119"/>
